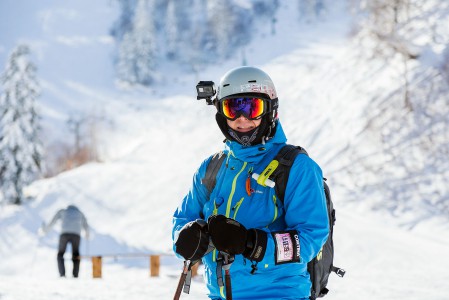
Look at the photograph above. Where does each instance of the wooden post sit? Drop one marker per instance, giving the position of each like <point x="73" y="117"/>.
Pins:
<point x="96" y="266"/>
<point x="154" y="265"/>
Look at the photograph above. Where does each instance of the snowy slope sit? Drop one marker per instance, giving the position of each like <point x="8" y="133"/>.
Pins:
<point x="153" y="148"/>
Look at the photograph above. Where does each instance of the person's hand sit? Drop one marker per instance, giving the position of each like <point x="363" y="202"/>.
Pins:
<point x="193" y="240"/>
<point x="231" y="237"/>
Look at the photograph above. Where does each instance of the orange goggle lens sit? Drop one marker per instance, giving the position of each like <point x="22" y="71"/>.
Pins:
<point x="251" y="108"/>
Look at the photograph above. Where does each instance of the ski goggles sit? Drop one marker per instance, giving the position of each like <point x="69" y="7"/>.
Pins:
<point x="251" y="108"/>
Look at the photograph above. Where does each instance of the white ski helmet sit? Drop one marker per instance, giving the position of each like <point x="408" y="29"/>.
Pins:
<point x="253" y="82"/>
<point x="246" y="80"/>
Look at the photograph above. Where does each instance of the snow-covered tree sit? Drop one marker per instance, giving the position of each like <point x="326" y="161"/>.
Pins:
<point x="20" y="147"/>
<point x="124" y="22"/>
<point x="407" y="124"/>
<point x="221" y="19"/>
<point x="137" y="50"/>
<point x="388" y="24"/>
<point x="310" y="10"/>
<point x="191" y="32"/>
<point x="172" y="30"/>
<point x="178" y="27"/>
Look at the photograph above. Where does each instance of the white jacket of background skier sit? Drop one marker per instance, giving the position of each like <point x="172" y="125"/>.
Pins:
<point x="72" y="221"/>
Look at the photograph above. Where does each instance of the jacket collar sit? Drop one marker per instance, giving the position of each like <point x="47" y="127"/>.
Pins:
<point x="254" y="154"/>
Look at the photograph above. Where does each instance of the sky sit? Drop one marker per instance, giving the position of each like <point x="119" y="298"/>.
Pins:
<point x="153" y="141"/>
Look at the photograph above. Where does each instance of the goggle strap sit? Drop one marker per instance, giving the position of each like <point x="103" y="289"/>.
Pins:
<point x="273" y="104"/>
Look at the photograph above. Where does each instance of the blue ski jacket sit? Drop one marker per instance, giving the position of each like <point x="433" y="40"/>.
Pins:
<point x="303" y="209"/>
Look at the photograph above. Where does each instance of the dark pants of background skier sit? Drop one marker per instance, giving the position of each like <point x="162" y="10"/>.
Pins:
<point x="74" y="240"/>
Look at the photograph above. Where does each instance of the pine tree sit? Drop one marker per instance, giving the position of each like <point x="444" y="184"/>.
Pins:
<point x="20" y="148"/>
<point x="172" y="30"/>
<point x="222" y="22"/>
<point x="124" y="22"/>
<point x="137" y="50"/>
<point x="231" y="26"/>
<point x="179" y="28"/>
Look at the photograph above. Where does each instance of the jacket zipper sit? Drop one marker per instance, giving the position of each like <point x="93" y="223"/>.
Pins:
<point x="236" y="207"/>
<point x="275" y="208"/>
<point x="228" y="206"/>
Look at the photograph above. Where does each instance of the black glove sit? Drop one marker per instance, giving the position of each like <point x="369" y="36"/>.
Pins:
<point x="231" y="237"/>
<point x="193" y="240"/>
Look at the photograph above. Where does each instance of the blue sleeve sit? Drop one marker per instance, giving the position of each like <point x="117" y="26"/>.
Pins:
<point x="191" y="207"/>
<point x="305" y="209"/>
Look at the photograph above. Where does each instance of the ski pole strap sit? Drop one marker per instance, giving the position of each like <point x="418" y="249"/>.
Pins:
<point x="187" y="282"/>
<point x="224" y="262"/>
<point x="188" y="277"/>
<point x="219" y="271"/>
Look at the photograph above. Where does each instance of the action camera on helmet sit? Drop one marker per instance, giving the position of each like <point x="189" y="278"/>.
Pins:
<point x="206" y="90"/>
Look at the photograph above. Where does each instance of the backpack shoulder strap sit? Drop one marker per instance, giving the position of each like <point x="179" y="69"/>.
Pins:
<point x="286" y="156"/>
<point x="209" y="180"/>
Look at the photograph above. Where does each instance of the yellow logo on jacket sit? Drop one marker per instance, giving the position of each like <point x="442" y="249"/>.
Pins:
<point x="320" y="254"/>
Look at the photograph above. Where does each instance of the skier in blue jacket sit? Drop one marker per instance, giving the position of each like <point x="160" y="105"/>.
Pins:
<point x="271" y="241"/>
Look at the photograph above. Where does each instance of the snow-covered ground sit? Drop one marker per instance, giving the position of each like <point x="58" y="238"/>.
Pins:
<point x="382" y="262"/>
<point x="158" y="138"/>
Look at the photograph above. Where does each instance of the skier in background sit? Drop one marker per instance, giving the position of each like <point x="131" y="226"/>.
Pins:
<point x="72" y="221"/>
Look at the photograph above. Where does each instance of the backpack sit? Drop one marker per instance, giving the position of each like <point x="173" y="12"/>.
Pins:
<point x="319" y="267"/>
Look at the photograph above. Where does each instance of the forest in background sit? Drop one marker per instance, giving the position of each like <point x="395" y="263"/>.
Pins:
<point x="403" y="41"/>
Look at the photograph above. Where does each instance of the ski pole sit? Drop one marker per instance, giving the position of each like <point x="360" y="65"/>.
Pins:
<point x="40" y="235"/>
<point x="182" y="279"/>
<point x="228" y="260"/>
<point x="87" y="247"/>
<point x="185" y="278"/>
<point x="228" y="285"/>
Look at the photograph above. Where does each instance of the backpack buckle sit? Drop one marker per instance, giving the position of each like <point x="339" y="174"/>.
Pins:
<point x="340" y="272"/>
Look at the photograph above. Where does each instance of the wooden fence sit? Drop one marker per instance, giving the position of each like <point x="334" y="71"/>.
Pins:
<point x="154" y="263"/>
